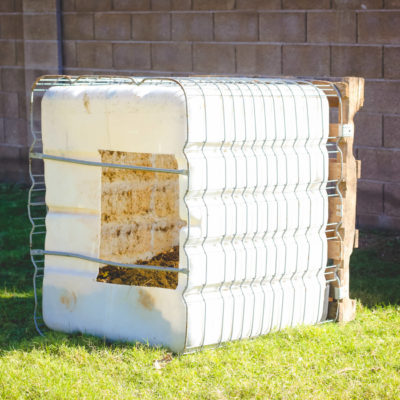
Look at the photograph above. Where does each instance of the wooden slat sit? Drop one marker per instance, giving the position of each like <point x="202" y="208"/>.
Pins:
<point x="346" y="312"/>
<point x="356" y="238"/>
<point x="335" y="249"/>
<point x="333" y="132"/>
<point x="336" y="169"/>
<point x="331" y="96"/>
<point x="334" y="209"/>
<point x="358" y="169"/>
<point x="352" y="98"/>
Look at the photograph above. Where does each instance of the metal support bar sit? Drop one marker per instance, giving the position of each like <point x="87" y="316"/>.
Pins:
<point x="41" y="156"/>
<point x="39" y="252"/>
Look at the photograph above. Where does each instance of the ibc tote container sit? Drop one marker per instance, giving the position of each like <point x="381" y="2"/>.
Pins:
<point x="227" y="175"/>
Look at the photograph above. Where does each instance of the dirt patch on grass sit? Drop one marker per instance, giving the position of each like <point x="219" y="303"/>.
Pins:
<point x="141" y="277"/>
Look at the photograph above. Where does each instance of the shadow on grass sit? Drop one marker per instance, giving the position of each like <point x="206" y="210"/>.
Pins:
<point x="375" y="277"/>
<point x="19" y="333"/>
<point x="16" y="317"/>
<point x="375" y="269"/>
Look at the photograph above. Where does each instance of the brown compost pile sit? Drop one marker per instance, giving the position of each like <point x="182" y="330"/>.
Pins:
<point x="142" y="277"/>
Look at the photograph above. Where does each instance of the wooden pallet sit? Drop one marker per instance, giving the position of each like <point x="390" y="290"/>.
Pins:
<point x="352" y="94"/>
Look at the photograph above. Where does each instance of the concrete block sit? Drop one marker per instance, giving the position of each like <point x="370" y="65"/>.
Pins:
<point x="7" y="53"/>
<point x="151" y="26"/>
<point x="132" y="56"/>
<point x="357" y="4"/>
<point x="68" y="5"/>
<point x="181" y="4"/>
<point x="171" y="57"/>
<point x="161" y="5"/>
<point x="391" y="62"/>
<point x="69" y="53"/>
<point x="379" y="164"/>
<point x="392" y="4"/>
<point x="78" y="26"/>
<point x="391" y="131"/>
<point x="365" y="61"/>
<point x="258" y="4"/>
<point x="368" y="129"/>
<point x="369" y="197"/>
<point x="192" y="26"/>
<point x="306" y="60"/>
<point x="94" y="55"/>
<point x="8" y="152"/>
<point x="283" y="27"/>
<point x="112" y="26"/>
<point x="7" y="6"/>
<point x="9" y="104"/>
<point x="20" y="53"/>
<point x="41" y="54"/>
<point x="392" y="200"/>
<point x="129" y="5"/>
<point x="236" y="27"/>
<point x="11" y="26"/>
<point x="305" y="4"/>
<point x="258" y="59"/>
<point x="2" y="133"/>
<point x="379" y="221"/>
<point x="13" y="79"/>
<point x="331" y="26"/>
<point x="23" y="102"/>
<point x="39" y="5"/>
<point x="213" y="5"/>
<point x="379" y="27"/>
<point x="213" y="58"/>
<point x="93" y="5"/>
<point x="16" y="132"/>
<point x="40" y="27"/>
<point x="382" y="96"/>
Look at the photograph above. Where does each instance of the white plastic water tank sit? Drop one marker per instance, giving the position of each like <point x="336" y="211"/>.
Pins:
<point x="254" y="207"/>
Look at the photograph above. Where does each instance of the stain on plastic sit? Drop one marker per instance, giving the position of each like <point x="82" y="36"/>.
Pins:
<point x="86" y="102"/>
<point x="146" y="299"/>
<point x="68" y="299"/>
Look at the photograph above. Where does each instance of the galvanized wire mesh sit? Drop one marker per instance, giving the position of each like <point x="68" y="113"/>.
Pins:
<point x="240" y="144"/>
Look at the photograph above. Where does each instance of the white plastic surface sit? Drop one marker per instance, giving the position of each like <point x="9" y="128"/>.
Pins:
<point x="256" y="247"/>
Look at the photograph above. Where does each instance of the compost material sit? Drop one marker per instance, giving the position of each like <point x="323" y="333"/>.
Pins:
<point x="141" y="277"/>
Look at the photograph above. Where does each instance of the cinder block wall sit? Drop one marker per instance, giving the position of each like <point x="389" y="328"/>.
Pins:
<point x="28" y="49"/>
<point x="318" y="38"/>
<point x="13" y="137"/>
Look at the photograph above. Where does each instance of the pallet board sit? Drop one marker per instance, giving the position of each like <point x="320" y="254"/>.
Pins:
<point x="351" y="90"/>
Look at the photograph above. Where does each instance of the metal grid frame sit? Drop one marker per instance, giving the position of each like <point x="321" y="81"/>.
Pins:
<point x="36" y="202"/>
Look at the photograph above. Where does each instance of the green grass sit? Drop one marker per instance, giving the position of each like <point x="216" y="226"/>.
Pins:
<point x="359" y="360"/>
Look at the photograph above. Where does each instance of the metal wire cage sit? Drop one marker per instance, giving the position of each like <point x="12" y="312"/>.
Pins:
<point x="239" y="145"/>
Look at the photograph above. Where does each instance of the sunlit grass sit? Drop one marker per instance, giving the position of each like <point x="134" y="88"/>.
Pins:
<point x="331" y="361"/>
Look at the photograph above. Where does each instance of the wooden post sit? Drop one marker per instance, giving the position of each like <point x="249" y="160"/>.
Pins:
<point x="352" y="94"/>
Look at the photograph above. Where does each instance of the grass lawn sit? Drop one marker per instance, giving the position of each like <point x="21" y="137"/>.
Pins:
<point x="359" y="360"/>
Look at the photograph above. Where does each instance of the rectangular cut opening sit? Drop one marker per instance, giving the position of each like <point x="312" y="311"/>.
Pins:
<point x="140" y="220"/>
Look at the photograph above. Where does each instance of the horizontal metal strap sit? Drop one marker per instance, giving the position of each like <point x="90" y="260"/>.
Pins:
<point x="108" y="165"/>
<point x="37" y="252"/>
